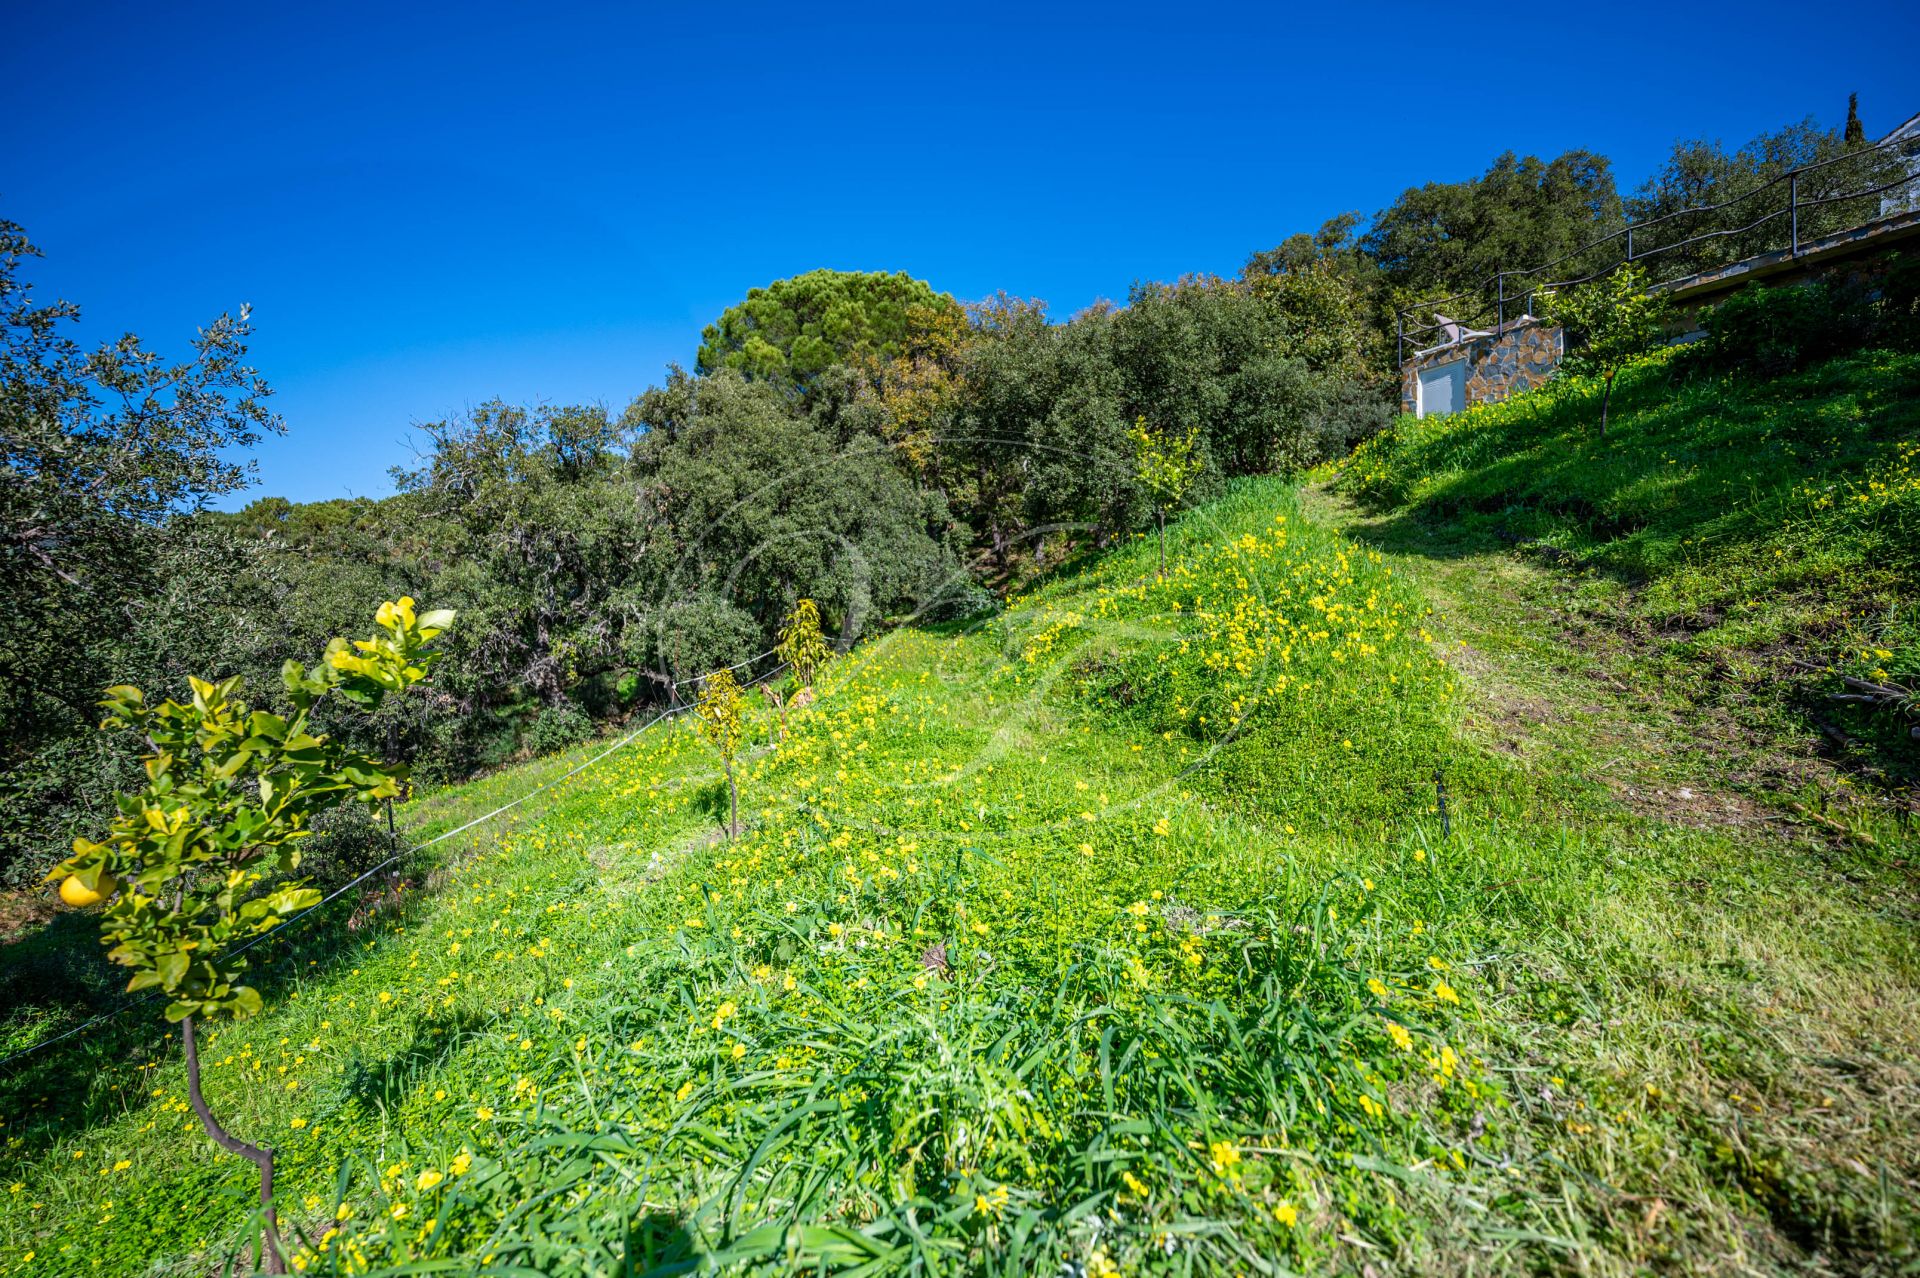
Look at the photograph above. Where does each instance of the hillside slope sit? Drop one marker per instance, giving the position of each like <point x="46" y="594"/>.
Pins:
<point x="1129" y="930"/>
<point x="1747" y="540"/>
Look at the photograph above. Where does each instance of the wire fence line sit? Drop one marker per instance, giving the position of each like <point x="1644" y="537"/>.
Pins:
<point x="283" y="929"/>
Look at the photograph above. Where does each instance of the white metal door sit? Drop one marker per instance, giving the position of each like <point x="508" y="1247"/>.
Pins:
<point x="1443" y="389"/>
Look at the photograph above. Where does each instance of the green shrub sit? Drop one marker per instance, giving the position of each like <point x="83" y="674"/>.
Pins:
<point x="1774" y="331"/>
<point x="1900" y="302"/>
<point x="462" y="744"/>
<point x="1348" y="413"/>
<point x="959" y="600"/>
<point x="345" y="843"/>
<point x="556" y="728"/>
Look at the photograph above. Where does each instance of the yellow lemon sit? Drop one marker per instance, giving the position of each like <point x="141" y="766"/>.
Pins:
<point x="76" y="893"/>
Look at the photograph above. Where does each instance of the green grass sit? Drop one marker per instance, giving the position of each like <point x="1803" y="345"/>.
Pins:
<point x="1734" y="530"/>
<point x="1119" y="932"/>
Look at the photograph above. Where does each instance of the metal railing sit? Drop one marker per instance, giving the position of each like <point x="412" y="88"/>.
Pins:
<point x="1809" y="208"/>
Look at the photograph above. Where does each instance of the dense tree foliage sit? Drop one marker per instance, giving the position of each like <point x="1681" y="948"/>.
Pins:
<point x="793" y="330"/>
<point x="599" y="562"/>
<point x="1533" y="219"/>
<point x="100" y="450"/>
<point x="1708" y="206"/>
<point x="1523" y="212"/>
<point x="753" y="508"/>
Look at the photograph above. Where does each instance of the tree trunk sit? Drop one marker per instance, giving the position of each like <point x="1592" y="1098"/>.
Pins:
<point x="1606" y="397"/>
<point x="1160" y="517"/>
<point x="261" y="1158"/>
<point x="1002" y="543"/>
<point x="733" y="803"/>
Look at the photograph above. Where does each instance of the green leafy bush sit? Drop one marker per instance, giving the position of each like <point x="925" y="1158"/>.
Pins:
<point x="1769" y="332"/>
<point x="960" y="599"/>
<point x="1900" y="301"/>
<point x="345" y="843"/>
<point x="555" y="728"/>
<point x="1349" y="411"/>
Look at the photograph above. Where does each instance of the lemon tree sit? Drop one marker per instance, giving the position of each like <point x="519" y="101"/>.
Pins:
<point x="722" y="712"/>
<point x="197" y="863"/>
<point x="1166" y="466"/>
<point x="1611" y="322"/>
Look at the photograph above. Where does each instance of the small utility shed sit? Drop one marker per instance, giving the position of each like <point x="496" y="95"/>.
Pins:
<point x="1476" y="366"/>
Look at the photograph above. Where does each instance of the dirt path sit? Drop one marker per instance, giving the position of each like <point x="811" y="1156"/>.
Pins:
<point x="1763" y="985"/>
<point x="1558" y="688"/>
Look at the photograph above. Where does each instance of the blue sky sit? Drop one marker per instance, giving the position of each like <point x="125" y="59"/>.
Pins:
<point x="431" y="206"/>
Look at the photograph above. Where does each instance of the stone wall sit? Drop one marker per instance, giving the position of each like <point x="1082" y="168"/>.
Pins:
<point x="1518" y="357"/>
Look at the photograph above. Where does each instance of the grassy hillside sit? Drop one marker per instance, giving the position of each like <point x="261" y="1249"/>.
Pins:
<point x="1124" y="932"/>
<point x="1749" y="539"/>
